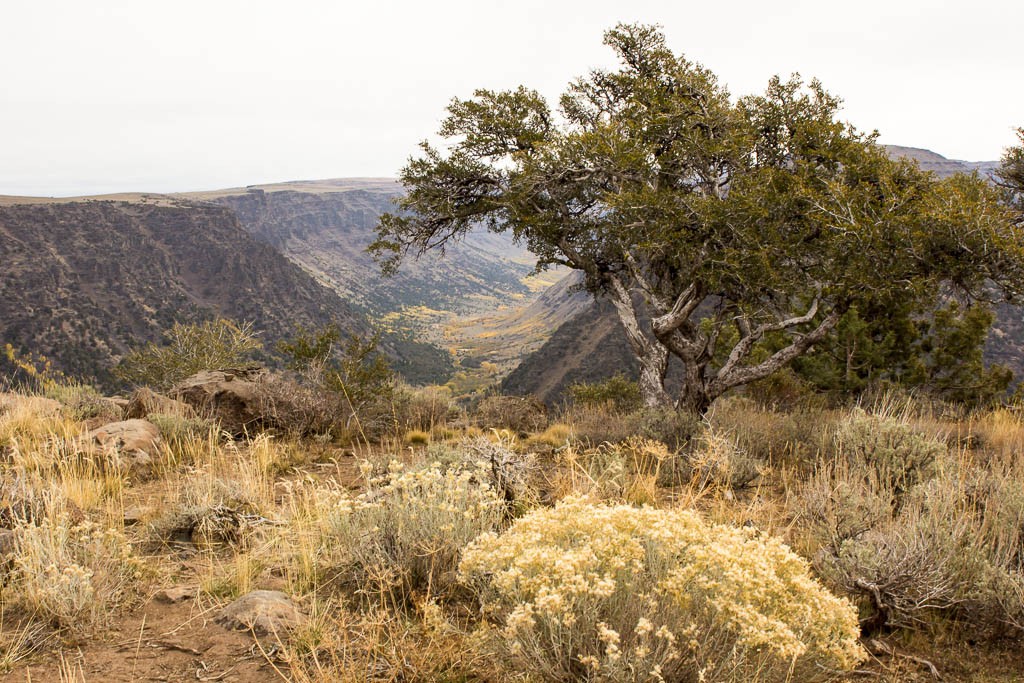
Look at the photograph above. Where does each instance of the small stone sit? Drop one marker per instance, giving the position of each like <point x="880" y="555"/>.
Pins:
<point x="135" y="515"/>
<point x="177" y="594"/>
<point x="263" y="612"/>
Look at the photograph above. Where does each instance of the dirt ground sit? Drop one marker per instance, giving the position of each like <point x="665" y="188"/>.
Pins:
<point x="158" y="642"/>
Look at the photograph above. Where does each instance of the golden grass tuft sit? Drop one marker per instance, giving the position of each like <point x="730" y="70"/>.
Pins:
<point x="555" y="436"/>
<point x="417" y="437"/>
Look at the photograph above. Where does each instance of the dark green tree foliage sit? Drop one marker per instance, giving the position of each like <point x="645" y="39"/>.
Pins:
<point x="617" y="392"/>
<point x="310" y="349"/>
<point x="1011" y="175"/>
<point x="950" y="360"/>
<point x="713" y="225"/>
<point x="933" y="345"/>
<point x="937" y="351"/>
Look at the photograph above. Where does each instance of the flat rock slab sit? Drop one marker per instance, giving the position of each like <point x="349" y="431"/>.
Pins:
<point x="263" y="612"/>
<point x="177" y="594"/>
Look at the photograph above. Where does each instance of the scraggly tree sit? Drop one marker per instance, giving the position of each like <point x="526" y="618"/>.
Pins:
<point x="706" y="221"/>
<point x="1010" y="175"/>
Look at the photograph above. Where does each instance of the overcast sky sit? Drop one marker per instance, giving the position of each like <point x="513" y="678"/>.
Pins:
<point x="103" y="96"/>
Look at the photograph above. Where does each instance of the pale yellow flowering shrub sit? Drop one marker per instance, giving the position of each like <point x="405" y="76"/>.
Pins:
<point x="73" y="575"/>
<point x="620" y="593"/>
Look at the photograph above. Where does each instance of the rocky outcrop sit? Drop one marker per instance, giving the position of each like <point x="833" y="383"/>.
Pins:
<point x="262" y="612"/>
<point x="145" y="402"/>
<point x="130" y="445"/>
<point x="231" y="397"/>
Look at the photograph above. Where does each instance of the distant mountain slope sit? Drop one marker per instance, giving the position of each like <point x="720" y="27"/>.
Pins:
<point x="588" y="347"/>
<point x="325" y="227"/>
<point x="503" y="337"/>
<point x="82" y="281"/>
<point x="591" y="346"/>
<point x="938" y="164"/>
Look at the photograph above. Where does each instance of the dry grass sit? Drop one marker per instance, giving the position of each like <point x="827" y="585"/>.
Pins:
<point x="73" y="573"/>
<point x="417" y="437"/>
<point x="914" y="512"/>
<point x="339" y="645"/>
<point x="555" y="436"/>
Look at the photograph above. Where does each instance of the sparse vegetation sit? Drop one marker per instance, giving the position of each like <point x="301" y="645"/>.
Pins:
<point x="755" y="546"/>
<point x="189" y="348"/>
<point x="857" y="514"/>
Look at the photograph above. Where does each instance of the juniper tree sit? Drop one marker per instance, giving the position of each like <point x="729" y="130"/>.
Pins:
<point x="1010" y="175"/>
<point x="705" y="220"/>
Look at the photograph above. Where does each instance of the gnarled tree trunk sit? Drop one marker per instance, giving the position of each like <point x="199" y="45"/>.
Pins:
<point x="653" y="355"/>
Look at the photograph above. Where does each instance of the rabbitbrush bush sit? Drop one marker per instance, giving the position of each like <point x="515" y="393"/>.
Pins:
<point x="72" y="574"/>
<point x="620" y="593"/>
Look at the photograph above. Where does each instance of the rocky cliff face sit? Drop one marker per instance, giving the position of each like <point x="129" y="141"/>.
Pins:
<point x="83" y="281"/>
<point x="589" y="347"/>
<point x="326" y="226"/>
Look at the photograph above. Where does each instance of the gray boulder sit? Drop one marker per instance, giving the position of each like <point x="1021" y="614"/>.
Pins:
<point x="262" y="612"/>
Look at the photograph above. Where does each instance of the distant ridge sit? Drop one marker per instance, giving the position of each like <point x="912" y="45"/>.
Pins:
<point x="325" y="226"/>
<point x="938" y="164"/>
<point x="319" y="229"/>
<point x="87" y="277"/>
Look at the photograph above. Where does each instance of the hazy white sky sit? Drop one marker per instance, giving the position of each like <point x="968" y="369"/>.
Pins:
<point x="104" y="95"/>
